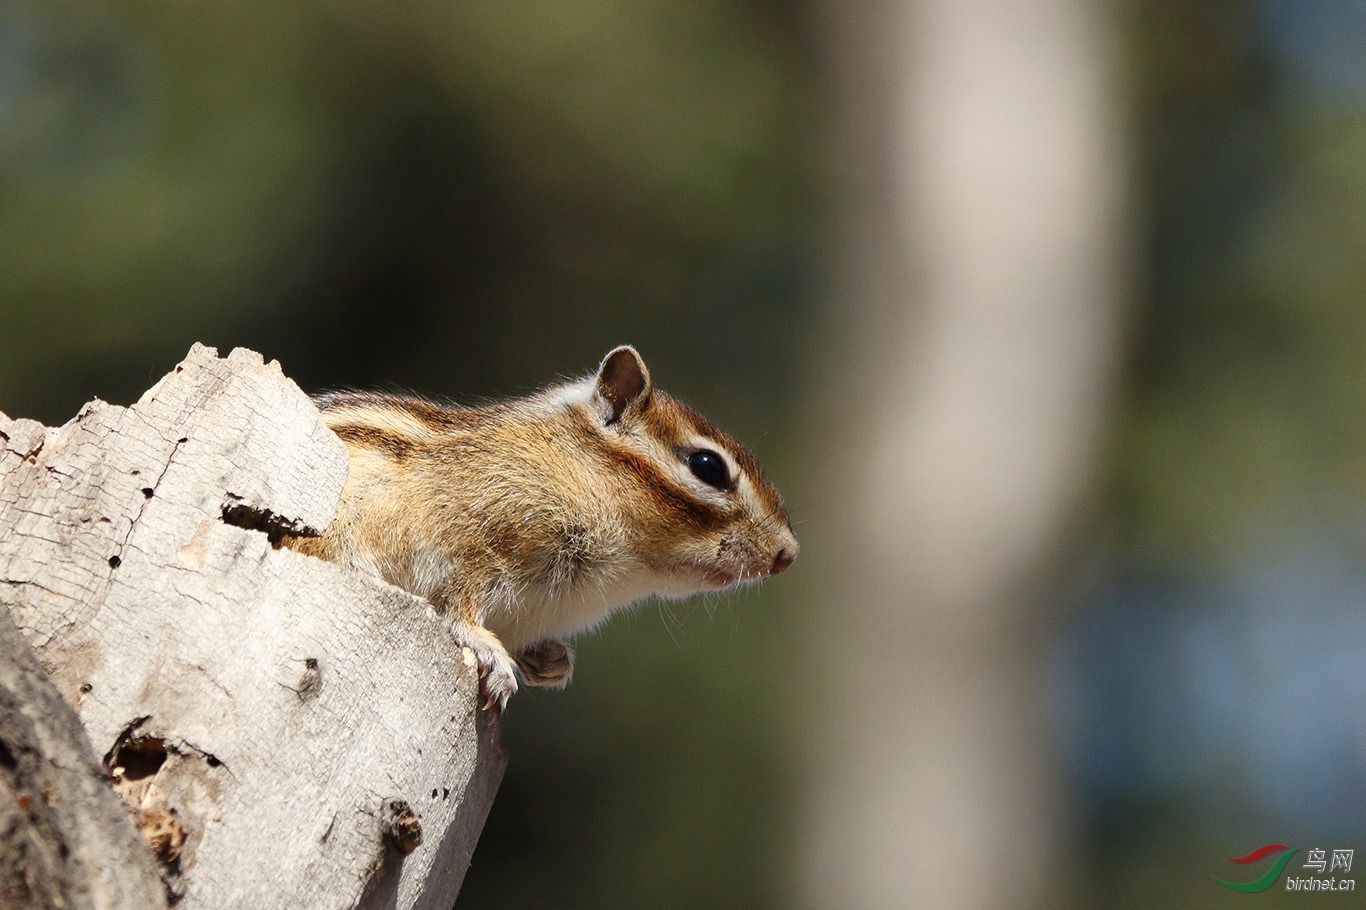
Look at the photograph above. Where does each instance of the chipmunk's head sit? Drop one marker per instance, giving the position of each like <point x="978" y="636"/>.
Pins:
<point x="702" y="515"/>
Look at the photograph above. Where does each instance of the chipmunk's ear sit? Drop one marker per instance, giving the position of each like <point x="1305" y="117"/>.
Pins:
<point x="622" y="382"/>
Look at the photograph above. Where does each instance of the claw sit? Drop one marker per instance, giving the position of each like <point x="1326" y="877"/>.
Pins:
<point x="497" y="678"/>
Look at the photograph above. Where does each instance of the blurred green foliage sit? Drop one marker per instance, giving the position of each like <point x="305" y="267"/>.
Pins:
<point x="457" y="197"/>
<point x="1245" y="391"/>
<point x="1235" y="468"/>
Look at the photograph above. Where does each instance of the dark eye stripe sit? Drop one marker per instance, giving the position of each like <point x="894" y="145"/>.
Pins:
<point x="709" y="468"/>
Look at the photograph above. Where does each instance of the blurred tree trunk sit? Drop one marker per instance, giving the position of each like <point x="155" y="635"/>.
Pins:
<point x="284" y="733"/>
<point x="977" y="289"/>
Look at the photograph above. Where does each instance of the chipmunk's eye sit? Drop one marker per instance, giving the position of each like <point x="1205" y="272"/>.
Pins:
<point x="709" y="468"/>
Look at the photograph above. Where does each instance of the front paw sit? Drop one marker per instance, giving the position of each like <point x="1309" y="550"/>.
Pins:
<point x="547" y="663"/>
<point x="497" y="679"/>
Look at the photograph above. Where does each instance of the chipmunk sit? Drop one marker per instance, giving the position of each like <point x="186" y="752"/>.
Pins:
<point x="525" y="521"/>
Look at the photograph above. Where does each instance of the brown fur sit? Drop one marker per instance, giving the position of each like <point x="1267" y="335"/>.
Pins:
<point x="531" y="519"/>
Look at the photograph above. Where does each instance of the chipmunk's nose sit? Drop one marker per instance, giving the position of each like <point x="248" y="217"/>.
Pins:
<point x="782" y="561"/>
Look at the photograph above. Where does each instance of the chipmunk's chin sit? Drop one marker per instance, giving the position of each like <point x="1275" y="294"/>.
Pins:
<point x="700" y="576"/>
<point x="716" y="579"/>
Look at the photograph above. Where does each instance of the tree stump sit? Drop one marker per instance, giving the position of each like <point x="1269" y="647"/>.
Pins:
<point x="286" y="733"/>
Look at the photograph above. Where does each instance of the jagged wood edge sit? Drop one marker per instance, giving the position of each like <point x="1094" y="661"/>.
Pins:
<point x="69" y="550"/>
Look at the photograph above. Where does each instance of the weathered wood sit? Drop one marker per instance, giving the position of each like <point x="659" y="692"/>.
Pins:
<point x="65" y="840"/>
<point x="258" y="706"/>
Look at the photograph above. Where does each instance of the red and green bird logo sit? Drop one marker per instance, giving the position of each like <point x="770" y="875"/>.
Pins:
<point x="1269" y="877"/>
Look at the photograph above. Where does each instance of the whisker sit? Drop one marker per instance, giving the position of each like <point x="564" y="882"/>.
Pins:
<point x="665" y="615"/>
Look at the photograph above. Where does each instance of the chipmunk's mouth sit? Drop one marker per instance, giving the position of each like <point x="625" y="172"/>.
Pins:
<point x="735" y="565"/>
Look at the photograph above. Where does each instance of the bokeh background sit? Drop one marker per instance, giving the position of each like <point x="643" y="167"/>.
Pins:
<point x="1048" y="317"/>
